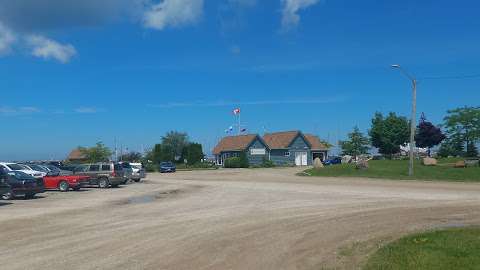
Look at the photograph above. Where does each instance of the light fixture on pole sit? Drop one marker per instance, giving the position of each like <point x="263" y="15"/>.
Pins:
<point x="413" y="120"/>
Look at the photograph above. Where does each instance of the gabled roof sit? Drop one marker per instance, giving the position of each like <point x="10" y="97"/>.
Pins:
<point x="234" y="143"/>
<point x="281" y="140"/>
<point x="315" y="142"/>
<point x="76" y="154"/>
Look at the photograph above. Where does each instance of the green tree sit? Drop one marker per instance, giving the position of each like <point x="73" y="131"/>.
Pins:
<point x="175" y="142"/>
<point x="463" y="124"/>
<point x="193" y="153"/>
<point x="452" y="146"/>
<point x="472" y="150"/>
<point x="97" y="153"/>
<point x="161" y="153"/>
<point x="168" y="153"/>
<point x="388" y="133"/>
<point x="155" y="155"/>
<point x="357" y="144"/>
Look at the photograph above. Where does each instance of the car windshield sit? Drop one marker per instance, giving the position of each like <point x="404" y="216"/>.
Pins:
<point x="166" y="164"/>
<point x="15" y="167"/>
<point x="80" y="168"/>
<point x="20" y="175"/>
<point x="37" y="168"/>
<point x="52" y="168"/>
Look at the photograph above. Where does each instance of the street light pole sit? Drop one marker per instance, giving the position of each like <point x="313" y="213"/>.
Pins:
<point x="413" y="125"/>
<point x="413" y="120"/>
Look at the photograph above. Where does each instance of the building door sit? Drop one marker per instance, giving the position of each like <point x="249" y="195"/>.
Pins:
<point x="301" y="158"/>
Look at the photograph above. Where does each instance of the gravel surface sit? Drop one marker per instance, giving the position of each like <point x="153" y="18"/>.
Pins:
<point x="226" y="219"/>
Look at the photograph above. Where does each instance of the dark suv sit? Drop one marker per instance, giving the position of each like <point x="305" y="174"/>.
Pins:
<point x="103" y="175"/>
<point x="4" y="186"/>
<point x="22" y="184"/>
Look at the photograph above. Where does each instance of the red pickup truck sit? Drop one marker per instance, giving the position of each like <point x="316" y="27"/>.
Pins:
<point x="65" y="182"/>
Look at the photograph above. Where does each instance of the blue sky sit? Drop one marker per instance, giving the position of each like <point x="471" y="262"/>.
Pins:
<point x="134" y="69"/>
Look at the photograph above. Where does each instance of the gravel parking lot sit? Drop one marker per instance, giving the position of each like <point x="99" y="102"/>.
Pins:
<point x="226" y="219"/>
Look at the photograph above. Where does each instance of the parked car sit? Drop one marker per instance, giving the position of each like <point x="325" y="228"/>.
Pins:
<point x="71" y="167"/>
<point x="22" y="184"/>
<point x="127" y="169"/>
<point x="54" y="170"/>
<point x="103" y="175"/>
<point x="55" y="163"/>
<point x="10" y="167"/>
<point x="332" y="161"/>
<point x="4" y="186"/>
<point x="66" y="182"/>
<point x="138" y="172"/>
<point x="40" y="171"/>
<point x="38" y="168"/>
<point x="168" y="166"/>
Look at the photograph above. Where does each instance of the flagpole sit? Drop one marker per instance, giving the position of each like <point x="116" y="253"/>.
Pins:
<point x="239" y="127"/>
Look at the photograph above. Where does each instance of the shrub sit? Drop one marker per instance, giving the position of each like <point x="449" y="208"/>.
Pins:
<point x="267" y="163"/>
<point x="150" y="167"/>
<point x="237" y="162"/>
<point x="198" y="165"/>
<point x="244" y="160"/>
<point x="233" y="162"/>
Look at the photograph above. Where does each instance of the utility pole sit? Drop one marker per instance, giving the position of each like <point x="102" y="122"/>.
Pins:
<point x="413" y="120"/>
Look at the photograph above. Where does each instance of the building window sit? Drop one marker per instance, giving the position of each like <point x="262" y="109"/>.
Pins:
<point x="287" y="154"/>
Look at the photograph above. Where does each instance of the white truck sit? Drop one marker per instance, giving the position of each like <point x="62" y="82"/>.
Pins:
<point x="138" y="172"/>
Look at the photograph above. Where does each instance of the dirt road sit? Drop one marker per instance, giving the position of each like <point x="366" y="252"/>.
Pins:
<point x="226" y="219"/>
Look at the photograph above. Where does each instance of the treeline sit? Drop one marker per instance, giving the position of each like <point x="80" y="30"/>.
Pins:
<point x="458" y="135"/>
<point x="176" y="147"/>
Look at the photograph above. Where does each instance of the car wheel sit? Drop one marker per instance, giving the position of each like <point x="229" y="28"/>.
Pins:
<point x="103" y="183"/>
<point x="7" y="196"/>
<point x="29" y="196"/>
<point x="63" y="186"/>
<point x="136" y="180"/>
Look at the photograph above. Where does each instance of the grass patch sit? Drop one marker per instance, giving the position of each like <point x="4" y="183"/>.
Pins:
<point x="196" y="167"/>
<point x="457" y="248"/>
<point x="398" y="169"/>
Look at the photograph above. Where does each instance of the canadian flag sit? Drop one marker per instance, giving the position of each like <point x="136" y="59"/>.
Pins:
<point x="236" y="111"/>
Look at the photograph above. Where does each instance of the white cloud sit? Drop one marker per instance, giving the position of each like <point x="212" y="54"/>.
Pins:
<point x="290" y="17"/>
<point x="7" y="38"/>
<point x="173" y="13"/>
<point x="86" y="110"/>
<point x="12" y="111"/>
<point x="49" y="49"/>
